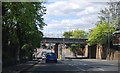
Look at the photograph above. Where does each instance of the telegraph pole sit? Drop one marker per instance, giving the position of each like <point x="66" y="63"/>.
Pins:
<point x="108" y="49"/>
<point x="118" y="13"/>
<point x="108" y="34"/>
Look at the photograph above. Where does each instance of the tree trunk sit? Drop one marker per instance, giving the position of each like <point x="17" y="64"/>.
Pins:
<point x="19" y="34"/>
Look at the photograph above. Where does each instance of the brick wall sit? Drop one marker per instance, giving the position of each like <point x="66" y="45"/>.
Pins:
<point x="102" y="53"/>
<point x="113" y="55"/>
<point x="86" y="51"/>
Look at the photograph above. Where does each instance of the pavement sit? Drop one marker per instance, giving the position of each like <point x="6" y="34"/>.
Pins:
<point x="102" y="61"/>
<point x="20" y="67"/>
<point x="93" y="64"/>
<point x="78" y="57"/>
<point x="0" y="66"/>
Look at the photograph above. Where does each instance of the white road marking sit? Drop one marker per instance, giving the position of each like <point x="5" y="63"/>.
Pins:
<point x="101" y="69"/>
<point x="112" y="64"/>
<point x="84" y="64"/>
<point x="69" y="64"/>
<point x="80" y="68"/>
<point x="72" y="65"/>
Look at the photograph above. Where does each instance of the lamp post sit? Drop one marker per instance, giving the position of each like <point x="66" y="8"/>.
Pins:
<point x="118" y="13"/>
<point x="108" y="17"/>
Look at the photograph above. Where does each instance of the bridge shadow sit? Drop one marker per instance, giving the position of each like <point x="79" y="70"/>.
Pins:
<point x="50" y="67"/>
<point x="76" y="57"/>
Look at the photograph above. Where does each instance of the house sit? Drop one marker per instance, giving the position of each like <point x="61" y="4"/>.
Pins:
<point x="116" y="39"/>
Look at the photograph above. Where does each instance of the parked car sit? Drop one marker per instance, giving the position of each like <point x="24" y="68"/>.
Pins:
<point x="43" y="55"/>
<point x="51" y="57"/>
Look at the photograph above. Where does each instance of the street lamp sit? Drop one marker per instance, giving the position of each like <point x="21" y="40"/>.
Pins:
<point x="118" y="13"/>
<point x="108" y="17"/>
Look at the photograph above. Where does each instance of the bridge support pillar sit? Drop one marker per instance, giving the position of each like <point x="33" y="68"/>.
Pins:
<point x="56" y="49"/>
<point x="60" y="51"/>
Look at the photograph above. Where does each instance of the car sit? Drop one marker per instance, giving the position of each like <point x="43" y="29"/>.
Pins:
<point x="43" y="55"/>
<point x="44" y="52"/>
<point x="51" y="57"/>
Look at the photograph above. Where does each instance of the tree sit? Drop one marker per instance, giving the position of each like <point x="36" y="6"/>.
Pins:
<point x="111" y="14"/>
<point x="75" y="34"/>
<point x="21" y="24"/>
<point x="99" y="34"/>
<point x="67" y="34"/>
<point x="79" y="34"/>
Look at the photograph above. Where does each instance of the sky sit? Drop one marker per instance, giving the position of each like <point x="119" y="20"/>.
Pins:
<point x="68" y="15"/>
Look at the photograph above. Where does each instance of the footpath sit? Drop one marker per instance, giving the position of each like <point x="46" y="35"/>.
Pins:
<point x="115" y="62"/>
<point x="20" y="67"/>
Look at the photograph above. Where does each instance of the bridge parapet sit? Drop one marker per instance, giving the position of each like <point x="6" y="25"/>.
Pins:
<point x="64" y="40"/>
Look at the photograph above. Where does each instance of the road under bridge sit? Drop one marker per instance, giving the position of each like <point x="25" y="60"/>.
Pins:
<point x="63" y="41"/>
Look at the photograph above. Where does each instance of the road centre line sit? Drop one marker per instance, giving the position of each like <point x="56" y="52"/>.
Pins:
<point x="101" y="69"/>
<point x="84" y="64"/>
<point x="80" y="68"/>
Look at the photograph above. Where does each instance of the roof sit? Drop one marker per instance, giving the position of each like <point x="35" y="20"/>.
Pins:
<point x="116" y="32"/>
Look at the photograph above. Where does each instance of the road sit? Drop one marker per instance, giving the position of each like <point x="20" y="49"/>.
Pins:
<point x="73" y="66"/>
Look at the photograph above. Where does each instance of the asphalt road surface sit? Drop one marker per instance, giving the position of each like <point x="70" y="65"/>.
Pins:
<point x="73" y="66"/>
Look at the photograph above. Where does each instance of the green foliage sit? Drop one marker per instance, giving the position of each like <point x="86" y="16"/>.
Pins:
<point x="111" y="13"/>
<point x="25" y="46"/>
<point x="21" y="24"/>
<point x="109" y="22"/>
<point x="73" y="47"/>
<point x="25" y="49"/>
<point x="67" y="34"/>
<point x="100" y="34"/>
<point x="75" y="34"/>
<point x="79" y="34"/>
<point x="24" y="19"/>
<point x="116" y="23"/>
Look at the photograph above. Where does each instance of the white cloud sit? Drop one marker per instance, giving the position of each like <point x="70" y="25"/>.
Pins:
<point x="66" y="15"/>
<point x="66" y="7"/>
<point x="81" y="23"/>
<point x="55" y="8"/>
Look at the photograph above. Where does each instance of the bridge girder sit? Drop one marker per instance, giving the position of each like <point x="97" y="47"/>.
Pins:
<point x="64" y="40"/>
